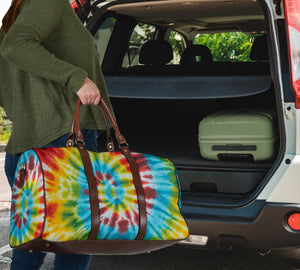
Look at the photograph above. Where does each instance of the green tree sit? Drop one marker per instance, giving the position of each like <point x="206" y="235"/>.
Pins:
<point x="178" y="46"/>
<point x="5" y="127"/>
<point x="141" y="34"/>
<point x="233" y="46"/>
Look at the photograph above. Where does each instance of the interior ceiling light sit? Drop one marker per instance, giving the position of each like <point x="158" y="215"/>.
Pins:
<point x="231" y="2"/>
<point x="148" y="7"/>
<point x="171" y="24"/>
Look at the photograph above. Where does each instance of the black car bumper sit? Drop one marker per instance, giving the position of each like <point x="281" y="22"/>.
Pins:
<point x="268" y="229"/>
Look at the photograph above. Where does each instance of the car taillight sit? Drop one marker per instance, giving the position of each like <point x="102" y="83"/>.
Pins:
<point x="294" y="221"/>
<point x="292" y="12"/>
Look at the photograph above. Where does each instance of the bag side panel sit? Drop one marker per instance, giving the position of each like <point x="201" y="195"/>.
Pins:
<point x="28" y="201"/>
<point x="160" y="183"/>
<point x="67" y="195"/>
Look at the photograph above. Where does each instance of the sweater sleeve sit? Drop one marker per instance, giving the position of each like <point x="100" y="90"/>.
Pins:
<point x="23" y="44"/>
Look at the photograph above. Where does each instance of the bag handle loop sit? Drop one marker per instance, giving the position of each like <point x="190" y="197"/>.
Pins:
<point x="75" y="134"/>
<point x="72" y="139"/>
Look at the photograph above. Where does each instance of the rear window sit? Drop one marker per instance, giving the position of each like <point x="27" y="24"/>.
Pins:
<point x="224" y="47"/>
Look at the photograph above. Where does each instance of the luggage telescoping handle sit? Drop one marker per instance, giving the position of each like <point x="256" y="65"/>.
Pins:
<point x="76" y="134"/>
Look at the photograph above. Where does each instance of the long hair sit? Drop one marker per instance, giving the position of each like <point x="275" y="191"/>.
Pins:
<point x="11" y="14"/>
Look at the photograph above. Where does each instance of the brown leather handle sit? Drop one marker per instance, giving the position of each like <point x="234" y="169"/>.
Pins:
<point x="75" y="131"/>
<point x="109" y="141"/>
<point x="79" y="138"/>
<point x="75" y="121"/>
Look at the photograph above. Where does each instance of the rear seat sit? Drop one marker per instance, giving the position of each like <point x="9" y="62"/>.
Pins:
<point x="154" y="57"/>
<point x="156" y="54"/>
<point x="259" y="53"/>
<point x="188" y="56"/>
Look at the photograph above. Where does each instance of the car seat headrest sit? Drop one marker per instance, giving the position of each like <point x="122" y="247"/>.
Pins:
<point x="156" y="52"/>
<point x="259" y="49"/>
<point x="189" y="54"/>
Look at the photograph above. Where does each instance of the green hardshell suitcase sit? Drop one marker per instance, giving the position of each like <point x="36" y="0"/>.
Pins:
<point x="237" y="134"/>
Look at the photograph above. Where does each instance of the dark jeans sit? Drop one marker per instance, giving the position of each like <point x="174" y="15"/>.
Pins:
<point x="23" y="260"/>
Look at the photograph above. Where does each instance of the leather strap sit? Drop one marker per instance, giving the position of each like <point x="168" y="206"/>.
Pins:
<point x="75" y="127"/>
<point x="139" y="191"/>
<point x="95" y="212"/>
<point x="76" y="135"/>
<point x="105" y="122"/>
<point x="75" y="122"/>
<point x="120" y="138"/>
<point x="135" y="173"/>
<point x="109" y="141"/>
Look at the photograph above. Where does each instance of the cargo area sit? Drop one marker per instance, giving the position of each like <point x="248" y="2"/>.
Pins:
<point x="160" y="96"/>
<point x="169" y="128"/>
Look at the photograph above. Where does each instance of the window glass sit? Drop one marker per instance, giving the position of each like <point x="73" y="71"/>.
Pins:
<point x="140" y="35"/>
<point x="178" y="45"/>
<point x="102" y="37"/>
<point x="227" y="47"/>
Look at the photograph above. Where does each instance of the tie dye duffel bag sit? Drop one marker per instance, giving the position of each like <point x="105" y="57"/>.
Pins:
<point x="76" y="201"/>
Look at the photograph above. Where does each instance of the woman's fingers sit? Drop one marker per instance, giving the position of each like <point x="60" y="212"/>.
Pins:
<point x="97" y="100"/>
<point x="89" y="93"/>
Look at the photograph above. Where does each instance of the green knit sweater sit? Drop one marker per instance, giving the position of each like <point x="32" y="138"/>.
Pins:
<point x="45" y="57"/>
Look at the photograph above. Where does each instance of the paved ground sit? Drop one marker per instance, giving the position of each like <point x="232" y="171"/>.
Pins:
<point x="5" y="197"/>
<point x="173" y="258"/>
<point x="176" y="258"/>
<point x="5" y="193"/>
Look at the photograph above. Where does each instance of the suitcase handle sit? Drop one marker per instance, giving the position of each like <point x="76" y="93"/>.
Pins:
<point x="75" y="135"/>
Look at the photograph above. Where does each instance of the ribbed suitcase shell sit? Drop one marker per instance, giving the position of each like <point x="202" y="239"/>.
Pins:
<point x="237" y="133"/>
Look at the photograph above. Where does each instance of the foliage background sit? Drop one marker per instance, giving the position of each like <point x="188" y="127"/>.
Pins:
<point x="225" y="47"/>
<point x="233" y="46"/>
<point x="5" y="127"/>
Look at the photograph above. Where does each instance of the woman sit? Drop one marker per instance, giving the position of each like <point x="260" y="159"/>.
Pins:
<point x="47" y="61"/>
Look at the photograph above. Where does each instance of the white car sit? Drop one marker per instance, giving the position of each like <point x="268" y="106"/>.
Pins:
<point x="227" y="56"/>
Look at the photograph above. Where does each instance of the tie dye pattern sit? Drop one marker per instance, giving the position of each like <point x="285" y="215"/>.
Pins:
<point x="67" y="195"/>
<point x="67" y="203"/>
<point x="118" y="202"/>
<point x="28" y="203"/>
<point x="117" y="197"/>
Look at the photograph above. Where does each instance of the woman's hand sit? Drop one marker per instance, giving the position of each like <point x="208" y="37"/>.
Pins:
<point x="89" y="93"/>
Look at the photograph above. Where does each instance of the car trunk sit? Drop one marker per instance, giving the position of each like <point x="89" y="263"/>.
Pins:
<point x="168" y="127"/>
<point x="159" y="111"/>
